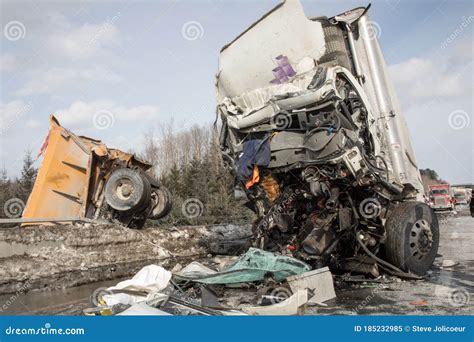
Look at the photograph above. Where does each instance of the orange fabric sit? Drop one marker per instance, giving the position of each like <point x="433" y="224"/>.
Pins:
<point x="255" y="178"/>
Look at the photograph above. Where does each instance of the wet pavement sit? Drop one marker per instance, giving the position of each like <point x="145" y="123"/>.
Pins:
<point x="70" y="301"/>
<point x="446" y="290"/>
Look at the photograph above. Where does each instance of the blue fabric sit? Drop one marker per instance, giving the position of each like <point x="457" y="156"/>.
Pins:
<point x="254" y="152"/>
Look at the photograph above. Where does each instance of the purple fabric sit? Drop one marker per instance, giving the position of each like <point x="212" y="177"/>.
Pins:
<point x="283" y="71"/>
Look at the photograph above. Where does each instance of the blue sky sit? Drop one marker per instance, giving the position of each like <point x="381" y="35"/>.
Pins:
<point x="143" y="63"/>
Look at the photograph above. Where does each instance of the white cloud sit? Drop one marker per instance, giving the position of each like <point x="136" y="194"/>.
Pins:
<point x="422" y="78"/>
<point x="11" y="113"/>
<point x="430" y="90"/>
<point x="86" y="115"/>
<point x="32" y="123"/>
<point x="7" y="62"/>
<point x="58" y="19"/>
<point x="84" y="42"/>
<point x="438" y="76"/>
<point x="73" y="54"/>
<point x="49" y="80"/>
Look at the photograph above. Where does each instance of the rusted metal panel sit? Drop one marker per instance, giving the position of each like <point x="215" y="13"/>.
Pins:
<point x="61" y="186"/>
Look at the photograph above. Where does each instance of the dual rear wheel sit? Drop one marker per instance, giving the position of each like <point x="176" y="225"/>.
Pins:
<point x="129" y="192"/>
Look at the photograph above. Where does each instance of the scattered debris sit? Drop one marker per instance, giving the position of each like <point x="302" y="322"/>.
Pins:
<point x="141" y="309"/>
<point x="255" y="265"/>
<point x="150" y="279"/>
<point x="229" y="239"/>
<point x="282" y="283"/>
<point x="448" y="263"/>
<point x="319" y="284"/>
<point x="289" y="307"/>
<point x="195" y="270"/>
<point x="419" y="302"/>
<point x="209" y="298"/>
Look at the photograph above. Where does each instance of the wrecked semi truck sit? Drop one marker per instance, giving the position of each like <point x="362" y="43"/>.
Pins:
<point x="313" y="130"/>
<point x="81" y="179"/>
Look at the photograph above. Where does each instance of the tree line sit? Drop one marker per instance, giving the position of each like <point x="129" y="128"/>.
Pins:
<point x="18" y="187"/>
<point x="189" y="164"/>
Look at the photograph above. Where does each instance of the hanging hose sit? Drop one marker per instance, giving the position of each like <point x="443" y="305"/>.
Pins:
<point x="376" y="170"/>
<point x="382" y="263"/>
<point x="385" y="165"/>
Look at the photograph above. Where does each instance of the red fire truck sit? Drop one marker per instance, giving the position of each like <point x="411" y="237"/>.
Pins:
<point x="441" y="197"/>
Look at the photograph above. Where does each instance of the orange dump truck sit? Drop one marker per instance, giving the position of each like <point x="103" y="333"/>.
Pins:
<point x="81" y="179"/>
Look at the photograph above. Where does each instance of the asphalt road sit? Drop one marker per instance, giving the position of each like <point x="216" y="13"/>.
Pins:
<point x="445" y="291"/>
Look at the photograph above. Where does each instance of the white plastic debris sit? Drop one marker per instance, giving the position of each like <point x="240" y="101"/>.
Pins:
<point x="319" y="284"/>
<point x="141" y="309"/>
<point x="288" y="307"/>
<point x="449" y="263"/>
<point x="149" y="279"/>
<point x="195" y="269"/>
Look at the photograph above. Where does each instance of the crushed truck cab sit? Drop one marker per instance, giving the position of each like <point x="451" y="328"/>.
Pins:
<point x="314" y="132"/>
<point x="82" y="179"/>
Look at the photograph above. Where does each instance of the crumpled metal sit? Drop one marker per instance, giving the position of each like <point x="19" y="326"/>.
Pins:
<point x="253" y="266"/>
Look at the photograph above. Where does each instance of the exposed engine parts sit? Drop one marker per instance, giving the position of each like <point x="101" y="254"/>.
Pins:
<point x="321" y="149"/>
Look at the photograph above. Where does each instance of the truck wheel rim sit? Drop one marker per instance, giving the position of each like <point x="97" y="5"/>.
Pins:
<point x="124" y="189"/>
<point x="421" y="239"/>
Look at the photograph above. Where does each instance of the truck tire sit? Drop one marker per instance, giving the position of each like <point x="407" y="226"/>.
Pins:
<point x="164" y="203"/>
<point x="412" y="237"/>
<point x="127" y="190"/>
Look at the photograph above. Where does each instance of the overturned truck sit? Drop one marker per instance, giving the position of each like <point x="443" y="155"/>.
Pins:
<point x="81" y="179"/>
<point x="312" y="128"/>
